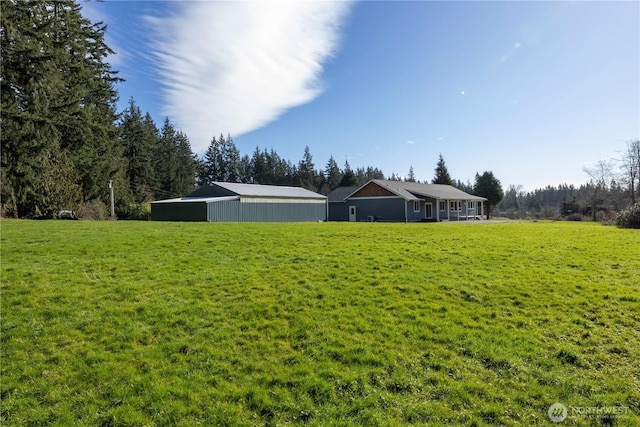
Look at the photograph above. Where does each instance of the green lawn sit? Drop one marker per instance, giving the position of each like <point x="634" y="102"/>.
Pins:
<point x="143" y="323"/>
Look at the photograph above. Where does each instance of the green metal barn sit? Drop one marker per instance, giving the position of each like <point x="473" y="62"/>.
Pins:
<point x="235" y="202"/>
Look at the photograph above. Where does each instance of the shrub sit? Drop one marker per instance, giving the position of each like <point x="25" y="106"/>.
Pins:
<point x="606" y="217"/>
<point x="575" y="217"/>
<point x="629" y="218"/>
<point x="94" y="210"/>
<point x="135" y="211"/>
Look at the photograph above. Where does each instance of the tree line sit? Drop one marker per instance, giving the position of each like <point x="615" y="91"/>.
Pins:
<point x="63" y="139"/>
<point x="613" y="186"/>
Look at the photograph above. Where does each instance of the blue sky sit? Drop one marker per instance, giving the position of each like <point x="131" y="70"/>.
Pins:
<point x="534" y="91"/>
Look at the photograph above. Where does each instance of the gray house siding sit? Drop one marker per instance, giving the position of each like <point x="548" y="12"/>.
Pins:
<point x="338" y="211"/>
<point x="381" y="209"/>
<point x="414" y="216"/>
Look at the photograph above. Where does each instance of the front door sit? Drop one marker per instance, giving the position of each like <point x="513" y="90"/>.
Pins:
<point x="352" y="213"/>
<point x="428" y="212"/>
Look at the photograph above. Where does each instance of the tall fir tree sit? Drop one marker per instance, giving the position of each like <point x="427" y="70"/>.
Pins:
<point x="165" y="162"/>
<point x="230" y="160"/>
<point x="59" y="141"/>
<point x="306" y="171"/>
<point x="487" y="185"/>
<point x="332" y="174"/>
<point x="138" y="139"/>
<point x="184" y="180"/>
<point x="213" y="162"/>
<point x="442" y="173"/>
<point x="258" y="167"/>
<point x="411" y="177"/>
<point x="348" y="176"/>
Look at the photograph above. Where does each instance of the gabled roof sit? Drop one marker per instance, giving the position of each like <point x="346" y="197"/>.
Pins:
<point x="218" y="189"/>
<point x="415" y="190"/>
<point x="341" y="193"/>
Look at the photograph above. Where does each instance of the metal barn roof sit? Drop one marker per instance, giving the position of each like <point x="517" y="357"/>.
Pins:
<point x="217" y="189"/>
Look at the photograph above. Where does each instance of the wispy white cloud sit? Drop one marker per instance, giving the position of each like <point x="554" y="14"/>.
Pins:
<point x="411" y="142"/>
<point x="237" y="66"/>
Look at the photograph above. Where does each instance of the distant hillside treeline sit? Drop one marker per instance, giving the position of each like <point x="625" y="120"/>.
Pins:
<point x="592" y="200"/>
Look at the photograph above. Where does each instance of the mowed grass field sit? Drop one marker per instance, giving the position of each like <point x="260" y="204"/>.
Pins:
<point x="147" y="323"/>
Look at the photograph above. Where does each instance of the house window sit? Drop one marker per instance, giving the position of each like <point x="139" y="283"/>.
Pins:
<point x="454" y="206"/>
<point x="443" y="206"/>
<point x="471" y="205"/>
<point x="416" y="206"/>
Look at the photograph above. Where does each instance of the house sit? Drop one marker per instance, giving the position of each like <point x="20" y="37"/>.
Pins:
<point x="383" y="200"/>
<point x="337" y="200"/>
<point x="235" y="202"/>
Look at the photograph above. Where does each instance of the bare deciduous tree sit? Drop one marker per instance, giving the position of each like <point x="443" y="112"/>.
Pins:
<point x="630" y="166"/>
<point x="601" y="174"/>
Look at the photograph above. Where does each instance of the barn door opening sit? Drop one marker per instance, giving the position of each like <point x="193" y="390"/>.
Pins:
<point x="352" y="213"/>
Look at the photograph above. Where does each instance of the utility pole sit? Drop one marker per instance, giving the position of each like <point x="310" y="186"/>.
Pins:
<point x="113" y="210"/>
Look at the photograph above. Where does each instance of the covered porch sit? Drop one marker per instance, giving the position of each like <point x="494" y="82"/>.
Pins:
<point x="427" y="209"/>
<point x="459" y="210"/>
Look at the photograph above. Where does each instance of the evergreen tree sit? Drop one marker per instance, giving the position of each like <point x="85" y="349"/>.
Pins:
<point x="213" y="162"/>
<point x="442" y="173"/>
<point x="306" y="171"/>
<point x="183" y="182"/>
<point x="258" y="167"/>
<point x="138" y="139"/>
<point x="488" y="186"/>
<point x="59" y="142"/>
<point x="222" y="161"/>
<point x="200" y="170"/>
<point x="466" y="187"/>
<point x="411" y="177"/>
<point x="245" y="169"/>
<point x="332" y="174"/>
<point x="165" y="164"/>
<point x="230" y="161"/>
<point x="348" y="177"/>
<point x="365" y="175"/>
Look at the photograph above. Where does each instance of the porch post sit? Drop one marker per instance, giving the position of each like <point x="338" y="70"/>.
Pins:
<point x="406" y="218"/>
<point x="448" y="210"/>
<point x="437" y="210"/>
